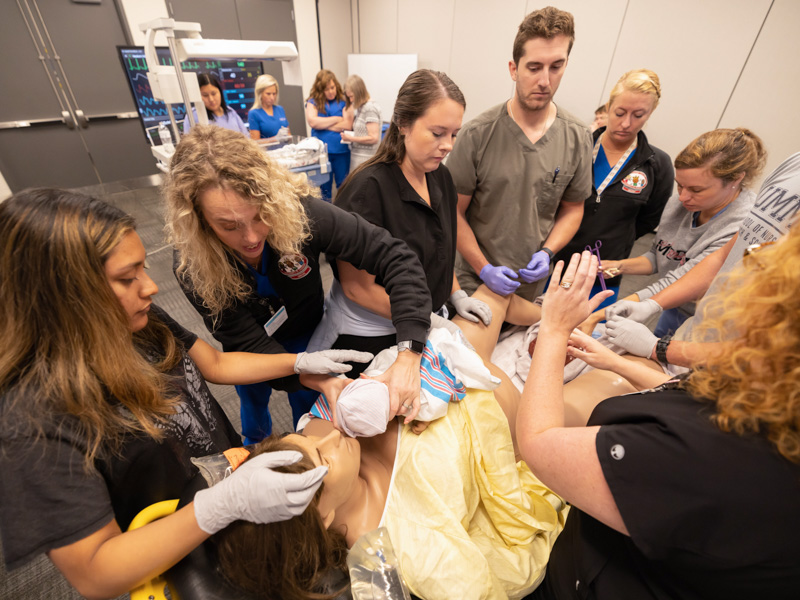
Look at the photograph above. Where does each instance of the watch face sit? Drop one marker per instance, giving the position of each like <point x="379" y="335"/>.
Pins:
<point x="414" y="346"/>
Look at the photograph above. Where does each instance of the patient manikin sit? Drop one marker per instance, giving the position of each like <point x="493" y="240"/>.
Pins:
<point x="448" y="367"/>
<point x="490" y="540"/>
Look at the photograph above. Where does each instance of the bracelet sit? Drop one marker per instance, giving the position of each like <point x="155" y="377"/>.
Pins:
<point x="547" y="251"/>
<point x="661" y="349"/>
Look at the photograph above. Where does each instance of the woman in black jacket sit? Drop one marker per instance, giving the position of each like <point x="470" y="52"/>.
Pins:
<point x="247" y="237"/>
<point x="632" y="179"/>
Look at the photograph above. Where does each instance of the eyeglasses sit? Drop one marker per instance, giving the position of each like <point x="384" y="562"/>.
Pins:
<point x="749" y="253"/>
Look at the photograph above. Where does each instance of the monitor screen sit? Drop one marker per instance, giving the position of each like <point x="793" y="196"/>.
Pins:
<point x="238" y="80"/>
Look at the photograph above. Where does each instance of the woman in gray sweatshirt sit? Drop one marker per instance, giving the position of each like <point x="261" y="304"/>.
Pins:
<point x="712" y="174"/>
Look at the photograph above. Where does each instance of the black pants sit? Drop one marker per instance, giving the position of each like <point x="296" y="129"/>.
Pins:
<point x="362" y="344"/>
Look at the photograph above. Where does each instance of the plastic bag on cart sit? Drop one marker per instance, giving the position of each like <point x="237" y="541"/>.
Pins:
<point x="374" y="569"/>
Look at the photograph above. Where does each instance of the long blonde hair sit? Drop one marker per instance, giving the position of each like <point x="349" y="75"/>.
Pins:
<point x="68" y="351"/>
<point x="755" y="379"/>
<point x="213" y="157"/>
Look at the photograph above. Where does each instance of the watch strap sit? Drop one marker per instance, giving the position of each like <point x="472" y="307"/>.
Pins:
<point x="412" y="345"/>
<point x="547" y="251"/>
<point x="661" y="348"/>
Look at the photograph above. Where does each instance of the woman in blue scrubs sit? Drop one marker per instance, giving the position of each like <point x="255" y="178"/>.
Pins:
<point x="267" y="117"/>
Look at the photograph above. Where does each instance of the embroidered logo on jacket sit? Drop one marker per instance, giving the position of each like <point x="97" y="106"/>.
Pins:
<point x="294" y="266"/>
<point x="634" y="182"/>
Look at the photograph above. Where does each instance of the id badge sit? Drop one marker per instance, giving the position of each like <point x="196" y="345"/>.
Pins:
<point x="278" y="319"/>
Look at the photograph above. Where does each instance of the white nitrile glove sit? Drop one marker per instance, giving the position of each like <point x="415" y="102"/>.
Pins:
<point x="256" y="493"/>
<point x="636" y="311"/>
<point x="328" y="361"/>
<point x="631" y="336"/>
<point x="471" y="309"/>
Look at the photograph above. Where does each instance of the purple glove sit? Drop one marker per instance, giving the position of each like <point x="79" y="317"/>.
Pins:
<point x="537" y="269"/>
<point x="497" y="279"/>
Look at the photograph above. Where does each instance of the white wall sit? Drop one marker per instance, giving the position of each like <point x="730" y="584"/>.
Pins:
<point x="699" y="50"/>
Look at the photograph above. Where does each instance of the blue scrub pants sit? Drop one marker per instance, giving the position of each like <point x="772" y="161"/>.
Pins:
<point x="340" y="165"/>
<point x="254" y="411"/>
<point x="669" y="322"/>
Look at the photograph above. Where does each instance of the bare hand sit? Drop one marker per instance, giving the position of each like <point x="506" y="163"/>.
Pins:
<point x="590" y="351"/>
<point x="567" y="303"/>
<point x="611" y="268"/>
<point x="402" y="378"/>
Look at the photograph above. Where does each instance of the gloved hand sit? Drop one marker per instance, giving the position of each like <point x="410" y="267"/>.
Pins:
<point x="256" y="493"/>
<point x="499" y="279"/>
<point x="328" y="361"/>
<point x="471" y="308"/>
<point x="631" y="336"/>
<point x="537" y="269"/>
<point x="636" y="311"/>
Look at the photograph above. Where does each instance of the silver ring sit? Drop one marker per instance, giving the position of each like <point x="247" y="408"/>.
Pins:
<point x="566" y="284"/>
<point x="407" y="406"/>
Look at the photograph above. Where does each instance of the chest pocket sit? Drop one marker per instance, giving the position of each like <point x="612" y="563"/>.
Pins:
<point x="550" y="193"/>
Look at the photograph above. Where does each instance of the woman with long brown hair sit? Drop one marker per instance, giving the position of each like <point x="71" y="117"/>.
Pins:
<point x="407" y="190"/>
<point x="104" y="403"/>
<point x="325" y="113"/>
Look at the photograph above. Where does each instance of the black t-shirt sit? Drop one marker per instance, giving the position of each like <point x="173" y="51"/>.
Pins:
<point x="710" y="514"/>
<point x="382" y="195"/>
<point x="49" y="500"/>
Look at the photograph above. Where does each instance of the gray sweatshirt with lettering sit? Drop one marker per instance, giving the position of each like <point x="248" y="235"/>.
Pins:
<point x="678" y="246"/>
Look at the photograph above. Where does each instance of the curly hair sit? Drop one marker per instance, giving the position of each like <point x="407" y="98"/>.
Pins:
<point x="726" y="153"/>
<point x="546" y="23"/>
<point x="317" y="93"/>
<point x="68" y="350"/>
<point x="288" y="560"/>
<point x="213" y="157"/>
<point x="755" y="380"/>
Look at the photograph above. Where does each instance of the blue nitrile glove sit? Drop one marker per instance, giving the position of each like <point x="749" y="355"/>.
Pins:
<point x="537" y="269"/>
<point x="498" y="279"/>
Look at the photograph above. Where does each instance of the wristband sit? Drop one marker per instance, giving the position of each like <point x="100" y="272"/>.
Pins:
<point x="549" y="252"/>
<point x="661" y="349"/>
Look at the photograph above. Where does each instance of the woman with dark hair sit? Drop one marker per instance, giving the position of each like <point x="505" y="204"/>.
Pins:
<point x="407" y="190"/>
<point x="325" y="113"/>
<point x="216" y="108"/>
<point x="103" y="403"/>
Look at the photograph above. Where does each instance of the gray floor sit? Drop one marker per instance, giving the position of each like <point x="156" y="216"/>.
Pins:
<point x="141" y="198"/>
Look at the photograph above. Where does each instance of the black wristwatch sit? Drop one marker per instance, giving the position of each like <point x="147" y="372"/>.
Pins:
<point x="661" y="349"/>
<point x="547" y="251"/>
<point x="413" y="345"/>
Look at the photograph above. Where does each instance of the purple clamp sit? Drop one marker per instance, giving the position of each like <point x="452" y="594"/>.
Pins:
<point x="596" y="251"/>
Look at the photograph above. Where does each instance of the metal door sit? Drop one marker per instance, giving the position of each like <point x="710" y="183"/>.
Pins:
<point x="68" y="119"/>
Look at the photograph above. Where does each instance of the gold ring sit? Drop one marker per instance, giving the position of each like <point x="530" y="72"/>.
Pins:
<point x="566" y="284"/>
